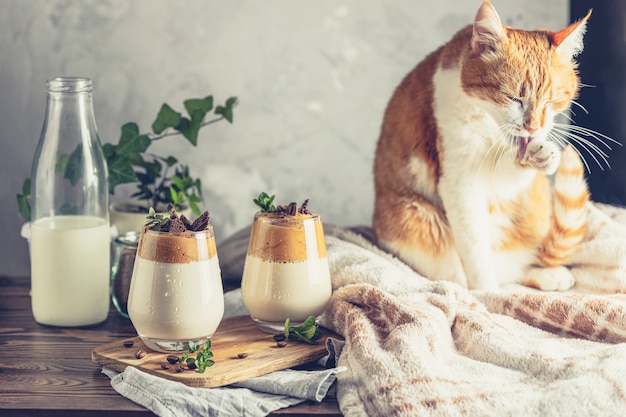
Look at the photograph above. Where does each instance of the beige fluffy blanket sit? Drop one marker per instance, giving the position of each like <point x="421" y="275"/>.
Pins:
<point x="414" y="347"/>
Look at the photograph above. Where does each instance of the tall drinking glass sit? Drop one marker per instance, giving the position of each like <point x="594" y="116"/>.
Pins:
<point x="176" y="294"/>
<point x="286" y="271"/>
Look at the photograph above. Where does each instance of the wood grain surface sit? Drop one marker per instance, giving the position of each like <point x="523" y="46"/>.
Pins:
<point x="234" y="336"/>
<point x="48" y="371"/>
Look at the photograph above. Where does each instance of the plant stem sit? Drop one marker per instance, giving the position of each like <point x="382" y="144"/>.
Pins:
<point x="171" y="132"/>
<point x="155" y="197"/>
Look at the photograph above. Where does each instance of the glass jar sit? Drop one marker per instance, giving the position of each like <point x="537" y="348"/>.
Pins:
<point x="286" y="272"/>
<point x="124" y="253"/>
<point x="70" y="235"/>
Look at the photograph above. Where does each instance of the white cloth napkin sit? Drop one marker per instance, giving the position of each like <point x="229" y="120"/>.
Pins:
<point x="254" y="397"/>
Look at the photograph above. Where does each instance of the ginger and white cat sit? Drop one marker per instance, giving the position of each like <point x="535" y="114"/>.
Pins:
<point x="465" y="154"/>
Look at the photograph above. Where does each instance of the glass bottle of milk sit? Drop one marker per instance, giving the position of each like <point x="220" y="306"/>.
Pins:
<point x="70" y="238"/>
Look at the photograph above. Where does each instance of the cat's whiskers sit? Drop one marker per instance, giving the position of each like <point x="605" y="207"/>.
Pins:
<point x="564" y="133"/>
<point x="556" y="137"/>
<point x="580" y="135"/>
<point x="567" y="116"/>
<point x="574" y="102"/>
<point x="510" y="139"/>
<point x="486" y="154"/>
<point x="505" y="137"/>
<point x="562" y="138"/>
<point x="589" y="132"/>
<point x="588" y="146"/>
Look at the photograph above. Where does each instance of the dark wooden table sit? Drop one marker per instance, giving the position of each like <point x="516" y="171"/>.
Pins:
<point x="46" y="371"/>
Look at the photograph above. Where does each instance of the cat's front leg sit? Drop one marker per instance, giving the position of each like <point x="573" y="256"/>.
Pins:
<point x="467" y="213"/>
<point x="542" y="155"/>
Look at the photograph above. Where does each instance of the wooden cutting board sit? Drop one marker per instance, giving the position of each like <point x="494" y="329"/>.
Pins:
<point x="234" y="336"/>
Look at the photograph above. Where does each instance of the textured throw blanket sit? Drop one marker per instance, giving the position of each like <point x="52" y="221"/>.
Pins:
<point x="414" y="347"/>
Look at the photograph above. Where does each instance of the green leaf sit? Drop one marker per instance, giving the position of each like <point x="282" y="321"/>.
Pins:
<point x="193" y="205"/>
<point x="177" y="197"/>
<point x="131" y="141"/>
<point x="23" y="200"/>
<point x="120" y="172"/>
<point x="227" y="109"/>
<point x="287" y="328"/>
<point x="197" y="117"/>
<point x="184" y="127"/>
<point x="202" y="355"/>
<point x="61" y="163"/>
<point x="23" y="206"/>
<point x="265" y="202"/>
<point x="108" y="150"/>
<point x="156" y="221"/>
<point x="26" y="186"/>
<point x="74" y="167"/>
<point x="204" y="105"/>
<point x="170" y="161"/>
<point x="152" y="171"/>
<point x="166" y="118"/>
<point x="308" y="331"/>
<point x="179" y="182"/>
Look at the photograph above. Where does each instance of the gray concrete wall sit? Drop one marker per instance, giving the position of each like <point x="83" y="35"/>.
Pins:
<point x="312" y="77"/>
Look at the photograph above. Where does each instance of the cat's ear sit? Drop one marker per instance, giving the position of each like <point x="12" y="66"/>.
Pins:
<point x="569" y="41"/>
<point x="488" y="30"/>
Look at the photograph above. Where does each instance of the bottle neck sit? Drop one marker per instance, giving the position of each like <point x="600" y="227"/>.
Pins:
<point x="69" y="85"/>
<point x="69" y="110"/>
<point x="69" y="173"/>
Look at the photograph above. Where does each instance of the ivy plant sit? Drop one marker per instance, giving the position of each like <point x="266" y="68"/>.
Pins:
<point x="160" y="180"/>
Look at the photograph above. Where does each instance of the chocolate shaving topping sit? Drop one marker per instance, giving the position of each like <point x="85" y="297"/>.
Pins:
<point x="201" y="223"/>
<point x="292" y="209"/>
<point x="186" y="221"/>
<point x="173" y="222"/>
<point x="170" y="209"/>
<point x="305" y="209"/>
<point x="177" y="225"/>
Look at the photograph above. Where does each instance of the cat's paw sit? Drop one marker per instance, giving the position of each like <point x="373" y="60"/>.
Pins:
<point x="543" y="156"/>
<point x="550" y="279"/>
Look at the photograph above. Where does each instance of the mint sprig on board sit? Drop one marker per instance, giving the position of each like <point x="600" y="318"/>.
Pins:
<point x="202" y="360"/>
<point x="308" y="332"/>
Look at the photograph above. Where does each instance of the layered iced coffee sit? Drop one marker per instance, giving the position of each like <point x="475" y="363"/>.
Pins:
<point x="286" y="271"/>
<point x="176" y="293"/>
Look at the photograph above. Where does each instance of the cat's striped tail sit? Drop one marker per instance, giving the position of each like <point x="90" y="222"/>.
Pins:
<point x="571" y="196"/>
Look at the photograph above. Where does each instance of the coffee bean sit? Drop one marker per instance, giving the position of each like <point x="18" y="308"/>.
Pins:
<point x="166" y="365"/>
<point x="242" y="355"/>
<point x="179" y="368"/>
<point x="279" y="337"/>
<point x="172" y="359"/>
<point x="191" y="365"/>
<point x="128" y="343"/>
<point x="140" y="354"/>
<point x="281" y="344"/>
